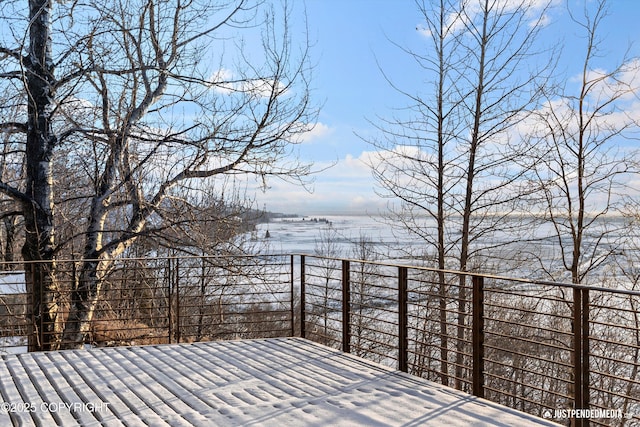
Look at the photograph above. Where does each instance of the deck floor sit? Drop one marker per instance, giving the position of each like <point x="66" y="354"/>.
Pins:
<point x="284" y="381"/>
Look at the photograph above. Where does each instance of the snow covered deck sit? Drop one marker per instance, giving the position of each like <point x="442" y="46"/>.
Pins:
<point x="283" y="381"/>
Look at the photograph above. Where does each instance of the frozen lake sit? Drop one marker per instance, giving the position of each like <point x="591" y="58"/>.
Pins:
<point x="507" y="254"/>
<point x="306" y="234"/>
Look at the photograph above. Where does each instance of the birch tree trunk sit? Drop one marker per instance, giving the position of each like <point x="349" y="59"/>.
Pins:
<point x="148" y="153"/>
<point x="37" y="206"/>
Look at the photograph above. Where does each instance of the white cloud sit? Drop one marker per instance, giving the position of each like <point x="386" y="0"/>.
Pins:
<point x="424" y="31"/>
<point x="220" y="80"/>
<point x="543" y="21"/>
<point x="623" y="85"/>
<point x="612" y="102"/>
<point x="456" y="21"/>
<point x="318" y="131"/>
<point x="346" y="187"/>
<point x="226" y="82"/>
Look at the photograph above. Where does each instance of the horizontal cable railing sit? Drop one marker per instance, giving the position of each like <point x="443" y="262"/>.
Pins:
<point x="160" y="300"/>
<point x="544" y="348"/>
<point x="560" y="351"/>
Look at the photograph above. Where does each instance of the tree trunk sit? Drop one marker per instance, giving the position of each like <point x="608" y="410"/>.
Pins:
<point x="10" y="230"/>
<point x="442" y="291"/>
<point x="84" y="298"/>
<point x="38" y="212"/>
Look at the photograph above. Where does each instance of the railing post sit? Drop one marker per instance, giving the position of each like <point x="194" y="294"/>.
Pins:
<point x="585" y="350"/>
<point x="346" y="307"/>
<point x="403" y="321"/>
<point x="477" y="330"/>
<point x="303" y="313"/>
<point x="177" y="292"/>
<point x="292" y="296"/>
<point x="169" y="277"/>
<point x="581" y="352"/>
<point x="33" y="328"/>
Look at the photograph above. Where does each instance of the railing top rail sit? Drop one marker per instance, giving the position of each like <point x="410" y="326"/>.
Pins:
<point x="381" y="263"/>
<point x="146" y="258"/>
<point x="484" y="275"/>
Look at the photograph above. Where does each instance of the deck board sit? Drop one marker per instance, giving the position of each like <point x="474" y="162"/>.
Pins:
<point x="10" y="393"/>
<point x="283" y="381"/>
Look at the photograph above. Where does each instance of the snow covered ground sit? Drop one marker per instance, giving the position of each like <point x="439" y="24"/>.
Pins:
<point x="13" y="345"/>
<point x="265" y="382"/>
<point x="12" y="282"/>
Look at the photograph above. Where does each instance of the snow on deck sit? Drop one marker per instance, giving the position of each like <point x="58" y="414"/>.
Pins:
<point x="283" y="381"/>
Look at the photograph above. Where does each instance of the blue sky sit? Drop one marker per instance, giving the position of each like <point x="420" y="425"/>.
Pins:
<point x="353" y="39"/>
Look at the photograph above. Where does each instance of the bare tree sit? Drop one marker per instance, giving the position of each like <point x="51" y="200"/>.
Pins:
<point x="581" y="170"/>
<point x="11" y="166"/>
<point x="327" y="292"/>
<point x="452" y="160"/>
<point x="625" y="337"/>
<point x="148" y="108"/>
<point x="29" y="79"/>
<point x="425" y="157"/>
<point x="366" y="293"/>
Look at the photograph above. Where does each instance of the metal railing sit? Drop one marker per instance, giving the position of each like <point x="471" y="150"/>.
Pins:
<point x="161" y="300"/>
<point x="540" y="347"/>
<point x="566" y="352"/>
